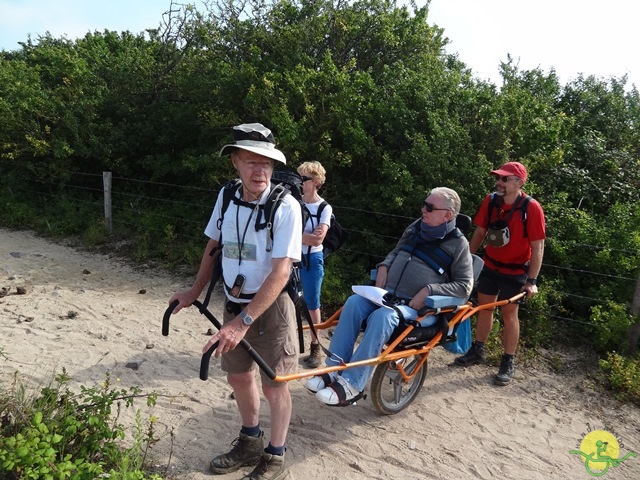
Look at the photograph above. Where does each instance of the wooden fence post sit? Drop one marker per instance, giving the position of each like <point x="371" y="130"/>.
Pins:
<point x="108" y="221"/>
<point x="635" y="304"/>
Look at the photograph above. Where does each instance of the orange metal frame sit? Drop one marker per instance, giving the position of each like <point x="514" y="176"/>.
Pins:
<point x="390" y="353"/>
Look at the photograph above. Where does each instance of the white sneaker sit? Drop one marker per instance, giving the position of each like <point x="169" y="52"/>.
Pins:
<point x="320" y="381"/>
<point x="339" y="392"/>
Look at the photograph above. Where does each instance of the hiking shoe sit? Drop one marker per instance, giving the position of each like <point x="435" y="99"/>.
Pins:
<point x="246" y="450"/>
<point x="270" y="467"/>
<point x="314" y="384"/>
<point x="474" y="356"/>
<point x="506" y="371"/>
<point x="314" y="359"/>
<point x="338" y="393"/>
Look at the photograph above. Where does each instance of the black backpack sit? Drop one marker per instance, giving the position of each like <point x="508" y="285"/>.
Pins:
<point x="336" y="235"/>
<point x="283" y="182"/>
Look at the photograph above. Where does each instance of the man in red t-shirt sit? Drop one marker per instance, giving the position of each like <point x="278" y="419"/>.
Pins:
<point x="512" y="261"/>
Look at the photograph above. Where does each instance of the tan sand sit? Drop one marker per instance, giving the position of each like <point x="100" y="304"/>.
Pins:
<point x="86" y="312"/>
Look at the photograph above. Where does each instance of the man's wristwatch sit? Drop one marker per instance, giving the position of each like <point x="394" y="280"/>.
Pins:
<point x="246" y="318"/>
<point x="532" y="281"/>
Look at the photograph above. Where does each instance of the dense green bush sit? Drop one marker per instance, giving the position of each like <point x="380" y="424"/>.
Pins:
<point x="610" y="323"/>
<point x="59" y="433"/>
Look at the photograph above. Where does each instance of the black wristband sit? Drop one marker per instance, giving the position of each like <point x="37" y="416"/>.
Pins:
<point x="532" y="281"/>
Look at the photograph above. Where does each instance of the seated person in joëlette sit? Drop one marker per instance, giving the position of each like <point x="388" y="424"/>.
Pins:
<point x="410" y="274"/>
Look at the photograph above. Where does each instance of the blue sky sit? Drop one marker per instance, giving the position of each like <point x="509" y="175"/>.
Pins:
<point x="572" y="36"/>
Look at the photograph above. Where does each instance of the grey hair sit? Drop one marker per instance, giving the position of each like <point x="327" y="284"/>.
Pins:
<point x="450" y="198"/>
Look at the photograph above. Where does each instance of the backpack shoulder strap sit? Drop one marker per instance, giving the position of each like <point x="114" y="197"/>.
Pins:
<point x="523" y="212"/>
<point x="493" y="203"/>
<point x="432" y="253"/>
<point x="515" y="207"/>
<point x="317" y="214"/>
<point x="278" y="192"/>
<point x="320" y="209"/>
<point x="229" y="191"/>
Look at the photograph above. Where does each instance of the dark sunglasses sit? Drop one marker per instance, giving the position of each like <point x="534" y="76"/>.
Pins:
<point x="306" y="178"/>
<point x="503" y="179"/>
<point x="430" y="208"/>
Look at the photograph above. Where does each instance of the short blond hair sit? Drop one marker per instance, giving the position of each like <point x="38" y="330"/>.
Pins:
<point x="313" y="169"/>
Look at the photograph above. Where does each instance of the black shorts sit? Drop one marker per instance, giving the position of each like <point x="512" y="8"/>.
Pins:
<point x="500" y="284"/>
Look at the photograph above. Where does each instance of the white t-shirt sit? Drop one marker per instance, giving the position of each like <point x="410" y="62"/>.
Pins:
<point x="312" y="222"/>
<point x="245" y="250"/>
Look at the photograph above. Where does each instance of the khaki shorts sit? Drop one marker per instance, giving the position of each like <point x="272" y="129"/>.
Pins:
<point x="273" y="336"/>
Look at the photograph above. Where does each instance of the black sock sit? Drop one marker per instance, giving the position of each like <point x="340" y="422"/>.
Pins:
<point x="251" y="431"/>
<point x="506" y="356"/>
<point x="480" y="344"/>
<point x="274" y="450"/>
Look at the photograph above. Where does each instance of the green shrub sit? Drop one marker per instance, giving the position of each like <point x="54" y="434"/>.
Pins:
<point x="611" y="322"/>
<point x="623" y="375"/>
<point x="95" y="234"/>
<point x="537" y="326"/>
<point x="59" y="434"/>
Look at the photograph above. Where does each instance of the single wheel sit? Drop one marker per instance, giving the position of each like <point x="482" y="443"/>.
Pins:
<point x="390" y="393"/>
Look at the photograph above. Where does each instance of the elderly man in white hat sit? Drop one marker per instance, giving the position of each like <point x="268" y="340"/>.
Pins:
<point x="255" y="271"/>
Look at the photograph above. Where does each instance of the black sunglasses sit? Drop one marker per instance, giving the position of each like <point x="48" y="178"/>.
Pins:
<point x="430" y="208"/>
<point x="503" y="179"/>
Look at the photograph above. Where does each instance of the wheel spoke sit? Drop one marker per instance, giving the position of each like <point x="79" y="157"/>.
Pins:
<point x="391" y="393"/>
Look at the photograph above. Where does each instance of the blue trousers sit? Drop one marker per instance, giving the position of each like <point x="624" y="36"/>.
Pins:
<point x="311" y="277"/>
<point x="381" y="321"/>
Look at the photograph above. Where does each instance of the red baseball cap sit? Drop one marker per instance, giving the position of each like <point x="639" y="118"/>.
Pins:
<point x="512" y="168"/>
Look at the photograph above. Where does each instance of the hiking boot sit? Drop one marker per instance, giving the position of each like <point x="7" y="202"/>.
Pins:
<point x="506" y="371"/>
<point x="270" y="467"/>
<point x="314" y="359"/>
<point x="246" y="450"/>
<point x="474" y="356"/>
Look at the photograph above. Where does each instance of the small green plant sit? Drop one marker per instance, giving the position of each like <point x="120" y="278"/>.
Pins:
<point x="623" y="375"/>
<point x="95" y="234"/>
<point x="60" y="434"/>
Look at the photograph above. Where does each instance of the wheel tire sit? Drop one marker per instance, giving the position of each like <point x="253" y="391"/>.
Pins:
<point x="389" y="392"/>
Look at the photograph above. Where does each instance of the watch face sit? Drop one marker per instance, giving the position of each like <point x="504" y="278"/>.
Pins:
<point x="246" y="319"/>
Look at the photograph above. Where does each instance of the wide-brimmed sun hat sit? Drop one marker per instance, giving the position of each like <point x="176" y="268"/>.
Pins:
<point x="255" y="138"/>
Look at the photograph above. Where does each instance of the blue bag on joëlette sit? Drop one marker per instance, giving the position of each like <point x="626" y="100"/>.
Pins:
<point x="462" y="344"/>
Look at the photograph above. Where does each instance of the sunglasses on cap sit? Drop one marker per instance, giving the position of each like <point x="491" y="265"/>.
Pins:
<point x="430" y="208"/>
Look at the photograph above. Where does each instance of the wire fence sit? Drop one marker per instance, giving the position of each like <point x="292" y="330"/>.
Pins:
<point x="129" y="199"/>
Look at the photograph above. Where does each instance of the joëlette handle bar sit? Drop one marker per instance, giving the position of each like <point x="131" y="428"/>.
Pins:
<point x="206" y="356"/>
